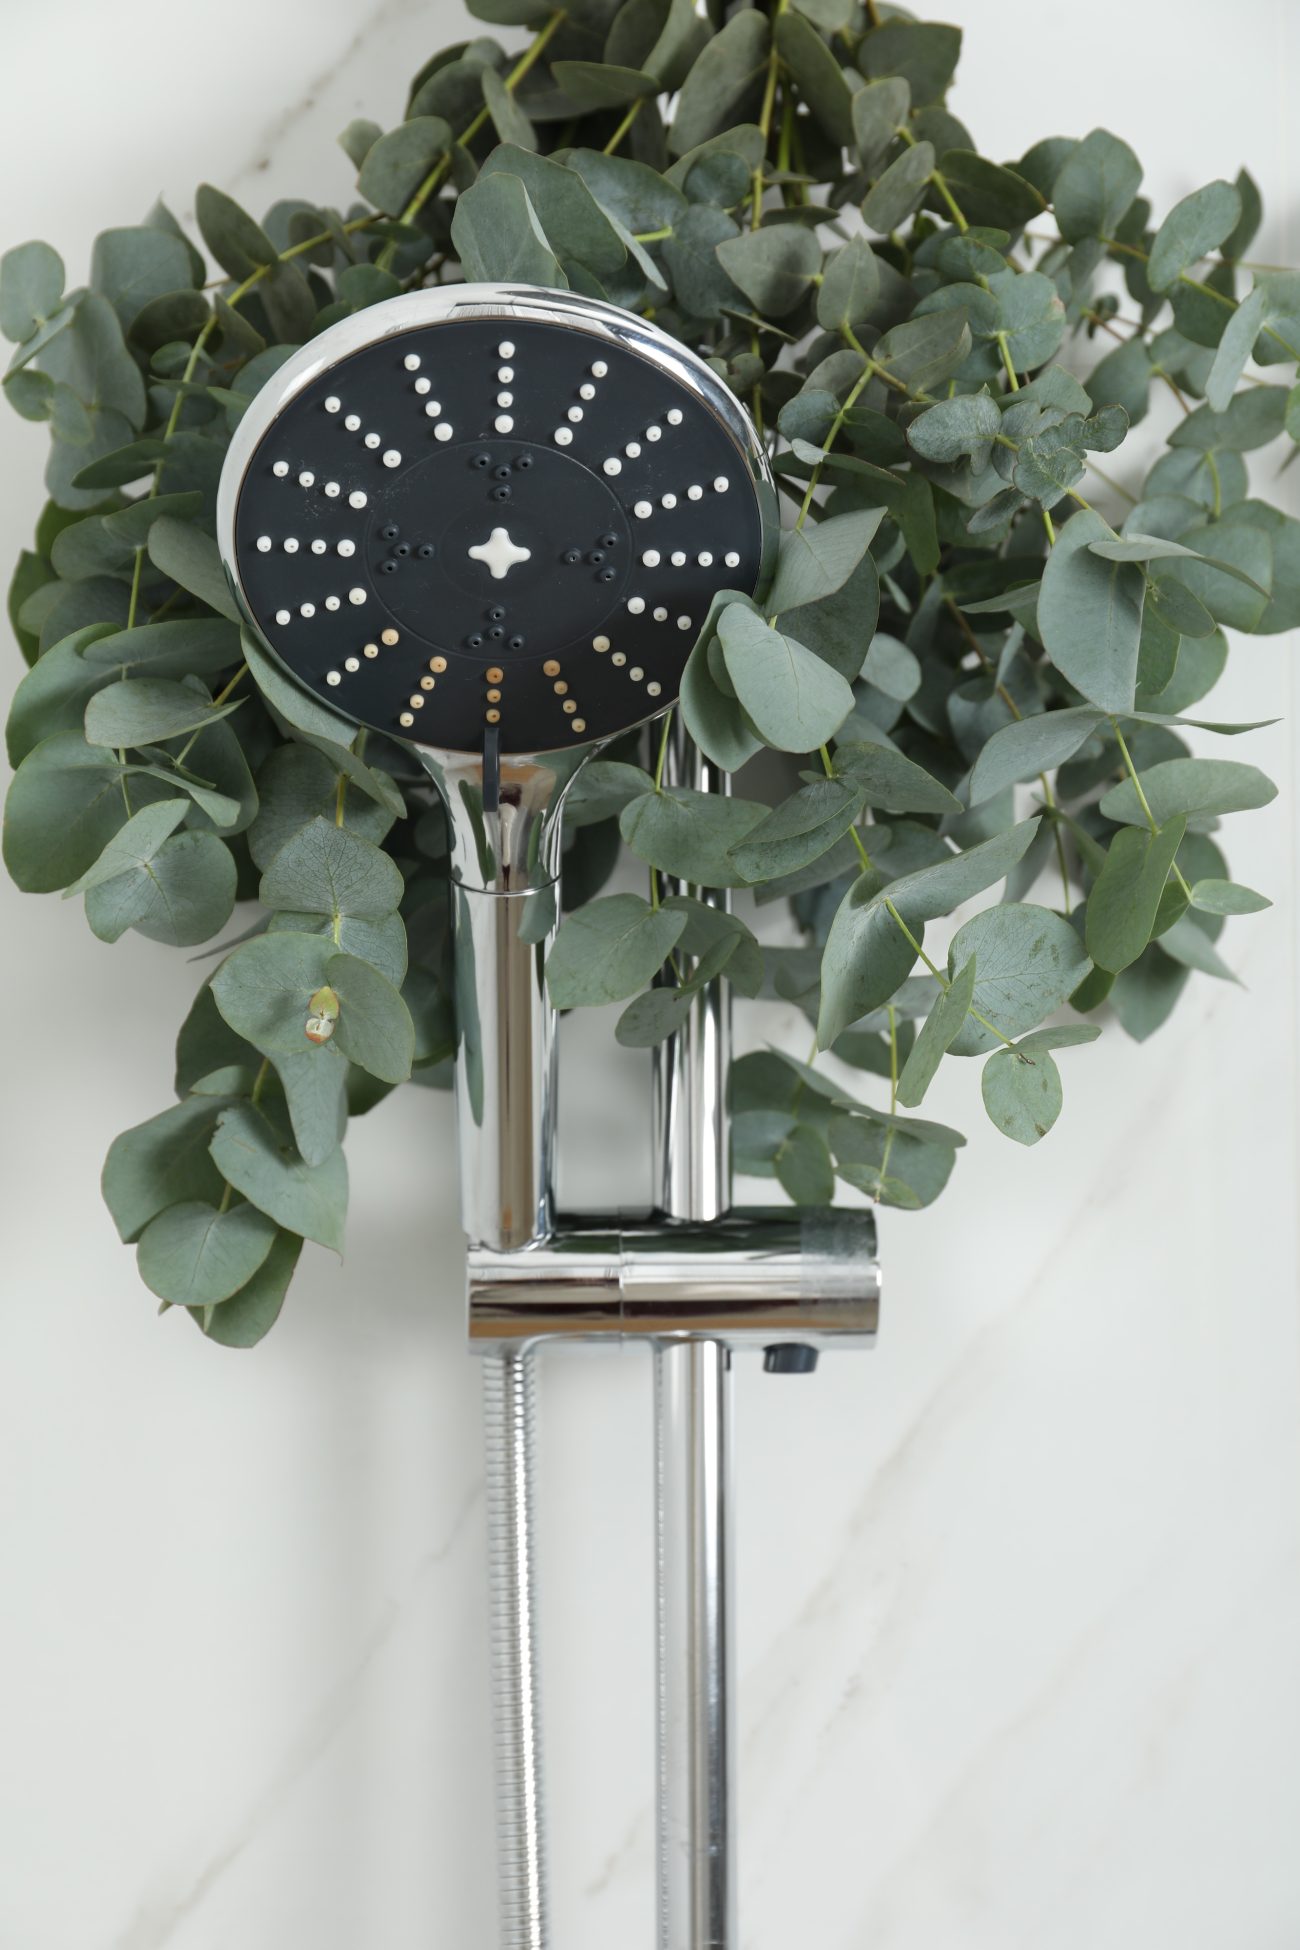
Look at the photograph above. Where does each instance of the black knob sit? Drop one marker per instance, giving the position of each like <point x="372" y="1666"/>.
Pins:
<point x="789" y="1357"/>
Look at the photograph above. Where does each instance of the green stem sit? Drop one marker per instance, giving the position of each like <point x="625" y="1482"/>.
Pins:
<point x="531" y="54"/>
<point x="850" y="400"/>
<point x="220" y="698"/>
<point x="888" y="1145"/>
<point x="773" y="64"/>
<point x="1049" y="797"/>
<point x="1049" y="800"/>
<point x="1149" y="816"/>
<point x="1004" y="347"/>
<point x="1131" y="769"/>
<point x="863" y="855"/>
<point x="623" y="126"/>
<point x="940" y="182"/>
<point x="138" y="569"/>
<point x="663" y="751"/>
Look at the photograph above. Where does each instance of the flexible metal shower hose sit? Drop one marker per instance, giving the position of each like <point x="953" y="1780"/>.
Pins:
<point x="509" y="1433"/>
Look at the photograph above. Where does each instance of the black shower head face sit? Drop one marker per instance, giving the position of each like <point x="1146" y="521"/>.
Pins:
<point x="490" y="516"/>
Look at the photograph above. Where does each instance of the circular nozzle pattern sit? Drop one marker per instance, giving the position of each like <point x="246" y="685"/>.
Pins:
<point x="508" y="524"/>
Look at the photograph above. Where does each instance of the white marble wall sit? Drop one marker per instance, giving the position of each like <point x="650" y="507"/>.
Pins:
<point x="1019" y="1593"/>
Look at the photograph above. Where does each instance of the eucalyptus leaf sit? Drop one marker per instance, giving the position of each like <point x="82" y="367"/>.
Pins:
<point x="894" y="196"/>
<point x="962" y="427"/>
<point x="327" y="869"/>
<point x="1188" y="943"/>
<point x="1193" y="228"/>
<point x="815" y="562"/>
<point x="690" y="835"/>
<point x="1022" y="1093"/>
<point x="181" y="894"/>
<point x="927" y="892"/>
<point x="721" y="79"/>
<point x="196" y="1255"/>
<point x="1029" y="961"/>
<point x="879" y="112"/>
<point x="800" y="830"/>
<point x="599" y="84"/>
<point x="803" y="1166"/>
<point x="649" y="1018"/>
<point x="251" y="1155"/>
<point x="1225" y="897"/>
<point x="817" y="74"/>
<point x="249" y="1314"/>
<point x="1090" y="615"/>
<point x="609" y="949"/>
<point x="64" y="805"/>
<point x="1124" y="900"/>
<point x="887" y="778"/>
<point x="773" y="267"/>
<point x="1095" y="187"/>
<point x="866" y="959"/>
<point x="794" y="700"/>
<point x="133" y="845"/>
<point x="164" y="1161"/>
<point x="192" y="559"/>
<point x="148" y="710"/>
<point x="31" y="286"/>
<point x="1193" y="786"/>
<point x="1028" y="746"/>
<point x="938" y="1033"/>
<point x="850" y="284"/>
<point x="497" y="235"/>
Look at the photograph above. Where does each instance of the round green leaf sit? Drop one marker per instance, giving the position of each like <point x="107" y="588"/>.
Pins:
<point x="255" y="1158"/>
<point x="689" y="834"/>
<point x="249" y="1314"/>
<point x="164" y="1161"/>
<point x="1028" y="963"/>
<point x="195" y="1255"/>
<point x="182" y="894"/>
<point x="326" y="869"/>
<point x="1022" y="1094"/>
<point x="1090" y="615"/>
<point x="774" y="267"/>
<point x="793" y="699"/>
<point x="31" y="285"/>
<point x="609" y="949"/>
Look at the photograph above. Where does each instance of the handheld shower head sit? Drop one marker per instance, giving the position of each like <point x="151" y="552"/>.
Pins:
<point x="489" y="521"/>
<point x="492" y="515"/>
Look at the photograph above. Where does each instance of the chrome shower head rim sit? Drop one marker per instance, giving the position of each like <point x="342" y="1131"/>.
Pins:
<point x="600" y="325"/>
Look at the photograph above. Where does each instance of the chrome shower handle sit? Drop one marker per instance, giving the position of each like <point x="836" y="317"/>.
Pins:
<point x="504" y="827"/>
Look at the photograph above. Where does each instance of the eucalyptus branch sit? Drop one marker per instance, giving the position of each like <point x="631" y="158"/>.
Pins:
<point x="929" y="479"/>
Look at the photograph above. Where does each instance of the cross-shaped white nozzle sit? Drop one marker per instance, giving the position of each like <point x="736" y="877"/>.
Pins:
<point x="500" y="553"/>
